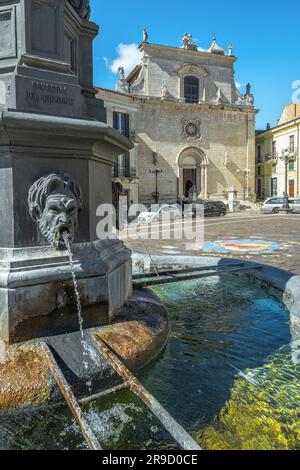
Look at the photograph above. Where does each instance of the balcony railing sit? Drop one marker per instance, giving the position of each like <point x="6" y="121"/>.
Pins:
<point x="271" y="156"/>
<point x="293" y="153"/>
<point x="275" y="156"/>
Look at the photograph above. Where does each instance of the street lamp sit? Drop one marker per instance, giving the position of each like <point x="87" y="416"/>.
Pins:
<point x="245" y="174"/>
<point x="286" y="157"/>
<point x="156" y="172"/>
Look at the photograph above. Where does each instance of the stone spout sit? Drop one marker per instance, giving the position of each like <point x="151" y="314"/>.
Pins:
<point x="54" y="203"/>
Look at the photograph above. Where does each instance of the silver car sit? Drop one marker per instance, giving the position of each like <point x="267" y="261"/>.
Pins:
<point x="272" y="205"/>
<point x="167" y="212"/>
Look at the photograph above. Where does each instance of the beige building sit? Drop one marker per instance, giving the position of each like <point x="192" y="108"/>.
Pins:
<point x="189" y="122"/>
<point x="273" y="147"/>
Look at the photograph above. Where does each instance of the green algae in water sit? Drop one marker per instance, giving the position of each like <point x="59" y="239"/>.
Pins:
<point x="262" y="416"/>
<point x="120" y="422"/>
<point x="219" y="326"/>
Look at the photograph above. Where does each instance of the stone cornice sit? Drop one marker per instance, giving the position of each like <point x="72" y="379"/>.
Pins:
<point x="198" y="107"/>
<point x="55" y="128"/>
<point x="133" y="74"/>
<point x="171" y="50"/>
<point x="155" y="101"/>
<point x="285" y="126"/>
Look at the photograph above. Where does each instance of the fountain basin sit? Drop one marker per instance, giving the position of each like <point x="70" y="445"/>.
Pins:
<point x="137" y="335"/>
<point x="285" y="282"/>
<point x="229" y="353"/>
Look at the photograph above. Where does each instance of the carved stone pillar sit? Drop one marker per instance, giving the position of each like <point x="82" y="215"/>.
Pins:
<point x="46" y="133"/>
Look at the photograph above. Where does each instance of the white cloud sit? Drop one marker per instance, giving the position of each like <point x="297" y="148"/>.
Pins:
<point x="239" y="85"/>
<point x="128" y="57"/>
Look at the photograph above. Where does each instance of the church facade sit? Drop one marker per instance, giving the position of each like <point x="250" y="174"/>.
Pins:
<point x="191" y="126"/>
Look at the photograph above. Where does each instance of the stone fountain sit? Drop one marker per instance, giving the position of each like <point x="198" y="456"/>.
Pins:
<point x="56" y="159"/>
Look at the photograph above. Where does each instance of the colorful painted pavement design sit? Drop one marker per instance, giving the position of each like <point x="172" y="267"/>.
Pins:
<point x="243" y="248"/>
<point x="248" y="246"/>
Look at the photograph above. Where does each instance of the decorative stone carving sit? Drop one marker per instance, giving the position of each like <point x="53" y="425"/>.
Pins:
<point x="54" y="203"/>
<point x="248" y="97"/>
<point x="192" y="69"/>
<point x="121" y="73"/>
<point x="191" y="129"/>
<point x="188" y="43"/>
<point x="164" y="91"/>
<point x="122" y="86"/>
<point x="145" y="35"/>
<point x="82" y="7"/>
<point x="219" y="98"/>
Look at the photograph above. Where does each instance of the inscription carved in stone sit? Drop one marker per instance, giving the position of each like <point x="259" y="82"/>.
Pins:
<point x="48" y="93"/>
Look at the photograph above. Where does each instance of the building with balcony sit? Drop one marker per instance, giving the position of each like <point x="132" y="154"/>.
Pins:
<point x="121" y="113"/>
<point x="271" y="145"/>
<point x="187" y="119"/>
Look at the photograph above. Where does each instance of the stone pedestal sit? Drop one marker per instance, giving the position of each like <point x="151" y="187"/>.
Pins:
<point x="36" y="289"/>
<point x="232" y="199"/>
<point x="56" y="160"/>
<point x="46" y="59"/>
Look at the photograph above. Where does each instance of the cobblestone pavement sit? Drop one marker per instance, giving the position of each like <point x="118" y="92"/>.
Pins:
<point x="270" y="239"/>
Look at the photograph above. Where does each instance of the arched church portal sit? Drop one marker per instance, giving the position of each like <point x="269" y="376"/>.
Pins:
<point x="192" y="163"/>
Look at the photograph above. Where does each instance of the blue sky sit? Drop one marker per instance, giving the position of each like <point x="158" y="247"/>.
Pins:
<point x="265" y="36"/>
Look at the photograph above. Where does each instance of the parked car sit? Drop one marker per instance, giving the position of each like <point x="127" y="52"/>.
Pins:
<point x="272" y="205"/>
<point x="211" y="209"/>
<point x="169" y="212"/>
<point x="295" y="205"/>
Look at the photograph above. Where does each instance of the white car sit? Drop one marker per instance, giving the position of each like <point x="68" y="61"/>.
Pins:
<point x="167" y="212"/>
<point x="272" y="205"/>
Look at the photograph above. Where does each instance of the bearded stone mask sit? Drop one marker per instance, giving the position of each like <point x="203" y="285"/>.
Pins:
<point x="54" y="203"/>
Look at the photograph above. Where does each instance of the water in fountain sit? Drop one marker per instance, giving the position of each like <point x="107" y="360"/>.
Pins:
<point x="85" y="348"/>
<point x="225" y="331"/>
<point x="149" y="255"/>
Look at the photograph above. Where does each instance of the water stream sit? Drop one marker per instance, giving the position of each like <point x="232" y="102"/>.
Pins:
<point x="85" y="348"/>
<point x="152" y="264"/>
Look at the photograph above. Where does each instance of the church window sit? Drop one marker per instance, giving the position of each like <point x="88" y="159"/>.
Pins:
<point x="191" y="89"/>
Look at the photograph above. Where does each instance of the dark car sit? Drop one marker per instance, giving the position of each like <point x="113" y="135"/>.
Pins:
<point x="211" y="209"/>
<point x="214" y="209"/>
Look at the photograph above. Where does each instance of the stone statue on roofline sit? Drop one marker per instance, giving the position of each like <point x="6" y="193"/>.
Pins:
<point x="122" y="86"/>
<point x="248" y="97"/>
<point x="121" y="72"/>
<point x="164" y="91"/>
<point x="145" y="35"/>
<point x="188" y="42"/>
<point x="82" y="7"/>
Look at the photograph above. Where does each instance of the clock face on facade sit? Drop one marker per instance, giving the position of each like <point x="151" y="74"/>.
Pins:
<point x="191" y="129"/>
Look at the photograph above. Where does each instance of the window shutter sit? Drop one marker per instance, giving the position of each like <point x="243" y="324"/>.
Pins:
<point x="127" y="125"/>
<point x="115" y="120"/>
<point x="127" y="163"/>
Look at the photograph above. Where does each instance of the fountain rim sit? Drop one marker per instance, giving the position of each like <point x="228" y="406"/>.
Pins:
<point x="286" y="282"/>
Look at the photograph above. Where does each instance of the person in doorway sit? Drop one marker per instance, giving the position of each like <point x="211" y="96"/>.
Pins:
<point x="188" y="187"/>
